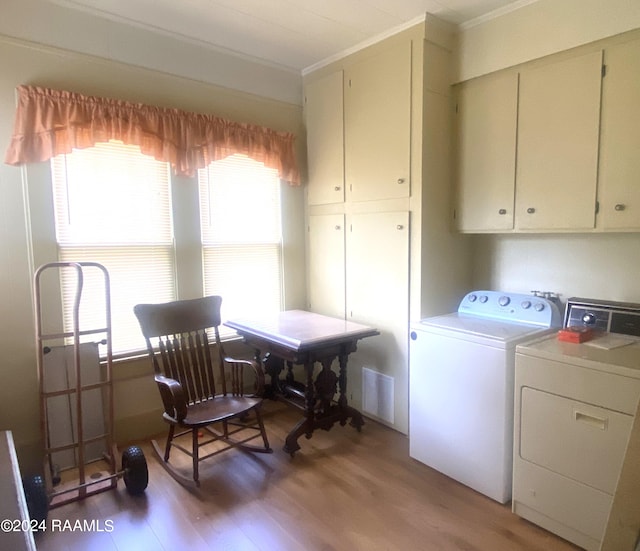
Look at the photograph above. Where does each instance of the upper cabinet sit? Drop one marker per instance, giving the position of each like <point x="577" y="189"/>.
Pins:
<point x="543" y="147"/>
<point x="325" y="139"/>
<point x="485" y="125"/>
<point x="557" y="153"/>
<point x="619" y="181"/>
<point x="377" y="101"/>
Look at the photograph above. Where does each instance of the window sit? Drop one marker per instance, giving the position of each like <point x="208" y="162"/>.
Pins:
<point x="113" y="206"/>
<point x="241" y="236"/>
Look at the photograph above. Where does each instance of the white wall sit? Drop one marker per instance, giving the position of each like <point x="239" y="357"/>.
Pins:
<point x="605" y="266"/>
<point x="539" y="29"/>
<point x="46" y="22"/>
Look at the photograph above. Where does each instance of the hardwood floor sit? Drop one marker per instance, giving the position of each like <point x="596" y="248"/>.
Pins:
<point x="342" y="491"/>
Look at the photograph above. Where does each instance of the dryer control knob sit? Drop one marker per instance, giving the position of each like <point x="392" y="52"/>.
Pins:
<point x="484" y="298"/>
<point x="589" y="318"/>
<point x="504" y="301"/>
<point x="538" y="306"/>
<point x="472" y="298"/>
<point x="526" y="304"/>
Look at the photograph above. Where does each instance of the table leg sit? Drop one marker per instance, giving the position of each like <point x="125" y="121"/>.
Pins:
<point x="272" y="366"/>
<point x="305" y="426"/>
<point x="347" y="411"/>
<point x="342" y="381"/>
<point x="325" y="386"/>
<point x="289" y="378"/>
<point x="309" y="399"/>
<point x="291" y="445"/>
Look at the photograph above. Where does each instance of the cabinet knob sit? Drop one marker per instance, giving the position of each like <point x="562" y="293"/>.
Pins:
<point x="399" y="227"/>
<point x="338" y="227"/>
<point x="531" y="210"/>
<point x="502" y="211"/>
<point x="620" y="207"/>
<point x="337" y="188"/>
<point x="401" y="180"/>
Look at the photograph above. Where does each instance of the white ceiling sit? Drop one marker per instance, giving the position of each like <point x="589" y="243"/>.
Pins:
<point x="292" y="34"/>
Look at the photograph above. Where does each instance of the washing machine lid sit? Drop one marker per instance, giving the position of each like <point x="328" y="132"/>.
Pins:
<point x="496" y="317"/>
<point x="476" y="328"/>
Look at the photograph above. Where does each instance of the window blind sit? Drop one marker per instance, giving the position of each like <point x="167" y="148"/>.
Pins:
<point x="241" y="236"/>
<point x="113" y="206"/>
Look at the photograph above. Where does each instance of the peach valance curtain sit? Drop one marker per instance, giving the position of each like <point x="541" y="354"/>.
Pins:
<point x="49" y="122"/>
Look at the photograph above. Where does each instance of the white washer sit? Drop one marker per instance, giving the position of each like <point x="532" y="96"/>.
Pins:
<point x="461" y="386"/>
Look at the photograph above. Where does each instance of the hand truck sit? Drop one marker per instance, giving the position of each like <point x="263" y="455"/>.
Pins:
<point x="64" y="407"/>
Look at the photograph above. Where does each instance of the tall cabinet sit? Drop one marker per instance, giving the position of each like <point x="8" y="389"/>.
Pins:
<point x="368" y="239"/>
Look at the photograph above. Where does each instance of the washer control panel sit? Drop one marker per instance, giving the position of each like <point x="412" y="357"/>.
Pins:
<point x="614" y="317"/>
<point x="513" y="307"/>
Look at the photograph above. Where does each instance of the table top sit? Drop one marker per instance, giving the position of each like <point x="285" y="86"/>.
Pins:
<point x="301" y="330"/>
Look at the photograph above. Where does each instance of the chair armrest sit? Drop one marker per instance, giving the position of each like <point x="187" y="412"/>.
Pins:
<point x="238" y="366"/>
<point x="175" y="404"/>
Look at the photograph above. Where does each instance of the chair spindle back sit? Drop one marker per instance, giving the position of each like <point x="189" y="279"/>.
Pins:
<point x="178" y="341"/>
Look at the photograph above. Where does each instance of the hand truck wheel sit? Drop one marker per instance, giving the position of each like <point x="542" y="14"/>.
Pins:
<point x="35" y="492"/>
<point x="135" y="473"/>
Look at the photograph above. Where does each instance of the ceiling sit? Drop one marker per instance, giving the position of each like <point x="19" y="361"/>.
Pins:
<point x="291" y="34"/>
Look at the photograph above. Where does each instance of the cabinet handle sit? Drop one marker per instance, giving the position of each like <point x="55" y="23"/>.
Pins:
<point x="502" y="211"/>
<point x="597" y="422"/>
<point x="401" y="180"/>
<point x="619" y="207"/>
<point x="531" y="210"/>
<point x="337" y="188"/>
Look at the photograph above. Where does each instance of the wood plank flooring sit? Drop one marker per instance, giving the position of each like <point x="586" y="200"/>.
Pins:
<point x="342" y="491"/>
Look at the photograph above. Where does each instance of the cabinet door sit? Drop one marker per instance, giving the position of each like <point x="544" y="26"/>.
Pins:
<point x="558" y="127"/>
<point x="378" y="295"/>
<point x="619" y="185"/>
<point x="377" y="125"/>
<point x="327" y="264"/>
<point x="325" y="139"/>
<point x="377" y="268"/>
<point x="486" y="118"/>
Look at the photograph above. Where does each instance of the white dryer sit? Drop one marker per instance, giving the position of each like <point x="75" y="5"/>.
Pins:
<point x="461" y="386"/>
<point x="575" y="405"/>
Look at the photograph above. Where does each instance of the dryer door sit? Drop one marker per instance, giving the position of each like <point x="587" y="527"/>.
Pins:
<point x="574" y="439"/>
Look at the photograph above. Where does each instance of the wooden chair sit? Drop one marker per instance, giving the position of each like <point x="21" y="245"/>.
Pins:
<point x="202" y="390"/>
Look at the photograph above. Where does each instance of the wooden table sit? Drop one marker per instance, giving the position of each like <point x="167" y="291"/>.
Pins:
<point x="296" y="337"/>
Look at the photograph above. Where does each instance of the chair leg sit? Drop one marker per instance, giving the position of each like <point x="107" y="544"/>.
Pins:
<point x="263" y="432"/>
<point x="167" y="449"/>
<point x="196" y="474"/>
